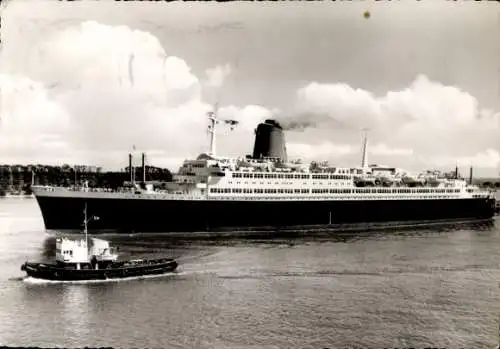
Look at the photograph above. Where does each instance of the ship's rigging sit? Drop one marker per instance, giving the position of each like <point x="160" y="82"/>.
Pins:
<point x="212" y="127"/>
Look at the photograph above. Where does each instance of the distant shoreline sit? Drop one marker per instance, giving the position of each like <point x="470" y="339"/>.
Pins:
<point x="18" y="196"/>
<point x="16" y="180"/>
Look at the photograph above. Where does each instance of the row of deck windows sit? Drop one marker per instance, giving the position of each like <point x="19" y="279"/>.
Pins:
<point x="288" y="176"/>
<point x="194" y="166"/>
<point x="331" y="191"/>
<point x="408" y="190"/>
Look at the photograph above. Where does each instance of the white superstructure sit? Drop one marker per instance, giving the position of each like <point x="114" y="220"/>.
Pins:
<point x="79" y="251"/>
<point x="268" y="175"/>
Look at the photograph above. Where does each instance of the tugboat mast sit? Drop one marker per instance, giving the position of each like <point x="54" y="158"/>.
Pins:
<point x="85" y="223"/>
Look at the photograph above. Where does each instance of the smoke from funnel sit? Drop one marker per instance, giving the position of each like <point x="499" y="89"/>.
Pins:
<point x="303" y="121"/>
<point x="297" y="125"/>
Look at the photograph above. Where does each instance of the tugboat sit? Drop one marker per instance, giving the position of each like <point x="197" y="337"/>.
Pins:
<point x="75" y="261"/>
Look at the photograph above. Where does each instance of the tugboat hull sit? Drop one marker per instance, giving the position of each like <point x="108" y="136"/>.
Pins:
<point x="118" y="271"/>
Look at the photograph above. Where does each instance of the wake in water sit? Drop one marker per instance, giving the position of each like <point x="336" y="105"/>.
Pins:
<point x="35" y="281"/>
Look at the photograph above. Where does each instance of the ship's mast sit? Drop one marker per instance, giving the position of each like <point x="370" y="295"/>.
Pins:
<point x="214" y="120"/>
<point x="132" y="179"/>
<point x="364" y="153"/>
<point x="212" y="116"/>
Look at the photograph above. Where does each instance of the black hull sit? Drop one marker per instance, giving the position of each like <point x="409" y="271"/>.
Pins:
<point x="176" y="216"/>
<point x="54" y="273"/>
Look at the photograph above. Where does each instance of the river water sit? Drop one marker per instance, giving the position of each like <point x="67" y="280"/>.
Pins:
<point x="420" y="288"/>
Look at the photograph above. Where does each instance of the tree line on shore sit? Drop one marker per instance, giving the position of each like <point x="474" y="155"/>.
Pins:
<point x="17" y="179"/>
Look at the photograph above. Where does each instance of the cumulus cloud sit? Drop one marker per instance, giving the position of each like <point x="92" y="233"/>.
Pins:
<point x="383" y="149"/>
<point x="240" y="140"/>
<point x="97" y="90"/>
<point x="488" y="159"/>
<point x="319" y="151"/>
<point x="217" y="75"/>
<point x="321" y="104"/>
<point x="326" y="150"/>
<point x="248" y="116"/>
<point x="438" y="124"/>
<point x="424" y="101"/>
<point x="115" y="87"/>
<point x="32" y="126"/>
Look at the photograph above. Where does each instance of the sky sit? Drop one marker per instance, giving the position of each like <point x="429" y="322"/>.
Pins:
<point x="84" y="82"/>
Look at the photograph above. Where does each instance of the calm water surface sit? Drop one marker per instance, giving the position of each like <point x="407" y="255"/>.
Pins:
<point x="428" y="287"/>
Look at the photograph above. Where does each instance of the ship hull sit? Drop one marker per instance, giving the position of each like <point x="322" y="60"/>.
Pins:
<point x="177" y="216"/>
<point x="54" y="273"/>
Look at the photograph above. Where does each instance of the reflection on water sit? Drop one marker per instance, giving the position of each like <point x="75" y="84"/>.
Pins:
<point x="428" y="287"/>
<point x="75" y="310"/>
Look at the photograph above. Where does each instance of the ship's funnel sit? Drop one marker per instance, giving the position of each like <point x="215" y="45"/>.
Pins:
<point x="270" y="141"/>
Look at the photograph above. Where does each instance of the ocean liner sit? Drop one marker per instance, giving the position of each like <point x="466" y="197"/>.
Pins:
<point x="266" y="191"/>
